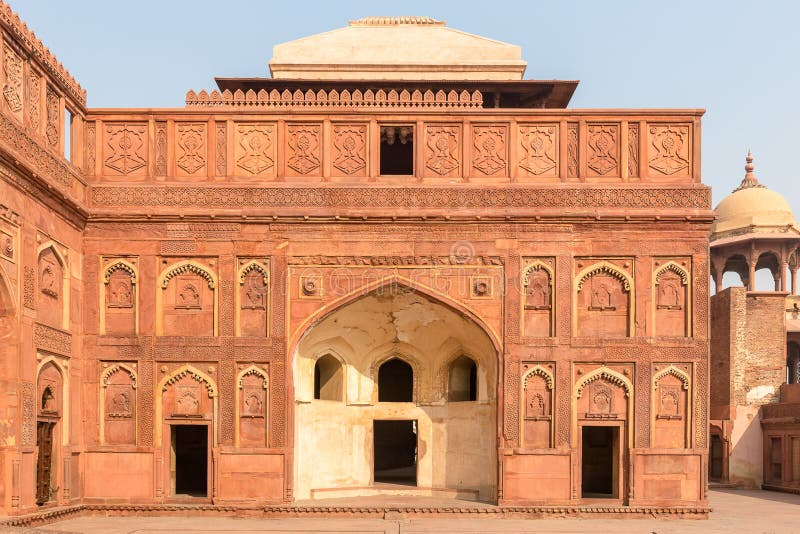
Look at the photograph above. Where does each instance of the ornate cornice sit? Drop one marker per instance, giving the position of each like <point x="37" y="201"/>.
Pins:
<point x="401" y="198"/>
<point x="33" y="46"/>
<point x="52" y="339"/>
<point x="380" y="261"/>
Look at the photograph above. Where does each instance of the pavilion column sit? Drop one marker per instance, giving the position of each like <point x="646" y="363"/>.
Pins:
<point x="751" y="282"/>
<point x="794" y="279"/>
<point x="784" y="267"/>
<point x="717" y="282"/>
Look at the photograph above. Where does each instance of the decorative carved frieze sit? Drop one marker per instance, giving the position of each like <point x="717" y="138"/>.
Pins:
<point x="322" y="99"/>
<point x="394" y="260"/>
<point x="396" y="198"/>
<point x="28" y="287"/>
<point x="51" y="339"/>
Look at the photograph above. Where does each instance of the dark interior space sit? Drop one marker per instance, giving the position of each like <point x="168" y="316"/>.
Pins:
<point x="463" y="380"/>
<point x="190" y="446"/>
<point x="395" y="382"/>
<point x="395" y="449"/>
<point x="397" y="150"/>
<point x="597" y="462"/>
<point x="715" y="463"/>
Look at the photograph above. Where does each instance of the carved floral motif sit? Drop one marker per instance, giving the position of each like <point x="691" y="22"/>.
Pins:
<point x="12" y="88"/>
<point x="442" y="149"/>
<point x="161" y="149"/>
<point x="191" y="148"/>
<point x="221" y="143"/>
<point x="572" y="150"/>
<point x="489" y="145"/>
<point x="89" y="159"/>
<point x="633" y="150"/>
<point x="53" y="116"/>
<point x="670" y="145"/>
<point x="125" y="151"/>
<point x="34" y="97"/>
<point x="539" y="146"/>
<point x="304" y="149"/>
<point x="350" y="142"/>
<point x="255" y="150"/>
<point x="603" y="149"/>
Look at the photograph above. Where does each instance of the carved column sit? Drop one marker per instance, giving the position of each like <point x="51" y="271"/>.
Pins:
<point x="751" y="279"/>
<point x="794" y="279"/>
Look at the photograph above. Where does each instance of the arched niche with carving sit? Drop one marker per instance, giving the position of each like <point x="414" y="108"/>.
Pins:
<point x="329" y="378"/>
<point x="604" y="301"/>
<point x="186" y="394"/>
<point x="462" y="380"/>
<point x="52" y="387"/>
<point x="252" y="407"/>
<point x="252" y="310"/>
<point x="604" y="395"/>
<point x="671" y="409"/>
<point x="119" y="297"/>
<point x="671" y="300"/>
<point x="537" y="299"/>
<point x="536" y="406"/>
<point x="7" y="316"/>
<point x="186" y="300"/>
<point x="118" y="404"/>
<point x="52" y="299"/>
<point x="395" y="381"/>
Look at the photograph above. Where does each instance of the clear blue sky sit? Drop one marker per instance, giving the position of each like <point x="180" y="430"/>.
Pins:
<point x="738" y="60"/>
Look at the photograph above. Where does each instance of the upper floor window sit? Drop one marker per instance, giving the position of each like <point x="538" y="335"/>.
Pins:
<point x="397" y="150"/>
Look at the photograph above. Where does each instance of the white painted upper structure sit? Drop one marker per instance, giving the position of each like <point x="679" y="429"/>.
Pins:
<point x="397" y="48"/>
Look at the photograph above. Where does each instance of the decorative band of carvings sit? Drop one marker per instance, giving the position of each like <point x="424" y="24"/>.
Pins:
<point x="38" y="158"/>
<point x="396" y="260"/>
<point x="397" y="197"/>
<point x="392" y="99"/>
<point x="52" y="339"/>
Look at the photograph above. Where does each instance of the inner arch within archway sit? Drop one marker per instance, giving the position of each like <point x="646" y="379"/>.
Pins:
<point x="450" y="444"/>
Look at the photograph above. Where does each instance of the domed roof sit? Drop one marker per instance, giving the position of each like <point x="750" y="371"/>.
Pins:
<point x="753" y="209"/>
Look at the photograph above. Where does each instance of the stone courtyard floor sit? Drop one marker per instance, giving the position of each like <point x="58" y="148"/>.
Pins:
<point x="754" y="512"/>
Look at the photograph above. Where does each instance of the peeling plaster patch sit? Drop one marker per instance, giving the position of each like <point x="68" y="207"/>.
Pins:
<point x="759" y="392"/>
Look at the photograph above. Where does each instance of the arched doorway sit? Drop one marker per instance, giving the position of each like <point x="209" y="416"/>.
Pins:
<point x="395" y="428"/>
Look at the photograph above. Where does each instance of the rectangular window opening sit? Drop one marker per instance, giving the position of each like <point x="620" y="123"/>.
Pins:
<point x="67" y="134"/>
<point x="397" y="150"/>
<point x="395" y="452"/>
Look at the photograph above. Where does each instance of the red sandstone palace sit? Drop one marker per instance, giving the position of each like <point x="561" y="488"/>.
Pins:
<point x="381" y="270"/>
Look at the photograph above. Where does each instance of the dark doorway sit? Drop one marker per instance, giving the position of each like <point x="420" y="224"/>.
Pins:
<point x="190" y="460"/>
<point x="715" y="465"/>
<point x="395" y="382"/>
<point x="599" y="462"/>
<point x="395" y="445"/>
<point x="44" y="464"/>
<point x="397" y="150"/>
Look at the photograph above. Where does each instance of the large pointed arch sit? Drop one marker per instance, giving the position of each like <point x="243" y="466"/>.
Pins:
<point x="387" y="282"/>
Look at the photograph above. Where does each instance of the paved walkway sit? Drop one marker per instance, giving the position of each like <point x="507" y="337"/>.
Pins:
<point x="753" y="512"/>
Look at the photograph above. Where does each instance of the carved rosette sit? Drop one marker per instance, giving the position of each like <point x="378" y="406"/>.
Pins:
<point x="489" y="150"/>
<point x="350" y="150"/>
<point x="538" y="150"/>
<point x="255" y="149"/>
<point x="603" y="143"/>
<point x="668" y="146"/>
<point x="190" y="153"/>
<point x="304" y="150"/>
<point x="125" y="149"/>
<point x="442" y="150"/>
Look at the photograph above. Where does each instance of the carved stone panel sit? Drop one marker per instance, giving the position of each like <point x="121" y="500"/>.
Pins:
<point x="671" y="315"/>
<point x="187" y="397"/>
<point x="349" y="150"/>
<point x="255" y="150"/>
<point x="125" y="149"/>
<point x="119" y="407"/>
<point x="537" y="411"/>
<point x="537" y="301"/>
<point x="253" y="299"/>
<point x="221" y="145"/>
<point x="603" y="399"/>
<point x="34" y="100"/>
<point x="52" y="128"/>
<point x="252" y="411"/>
<point x="633" y="150"/>
<point x="191" y="148"/>
<point x="671" y="394"/>
<point x="50" y="297"/>
<point x="572" y="150"/>
<point x="443" y="150"/>
<point x="603" y="150"/>
<point x="13" y="68"/>
<point x="50" y="391"/>
<point x="538" y="154"/>
<point x="120" y="312"/>
<point x="490" y="150"/>
<point x="161" y="149"/>
<point x="188" y="306"/>
<point x="602" y="307"/>
<point x="669" y="150"/>
<point x="304" y="150"/>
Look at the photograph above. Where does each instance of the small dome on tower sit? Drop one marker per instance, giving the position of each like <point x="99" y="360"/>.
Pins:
<point x="753" y="209"/>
